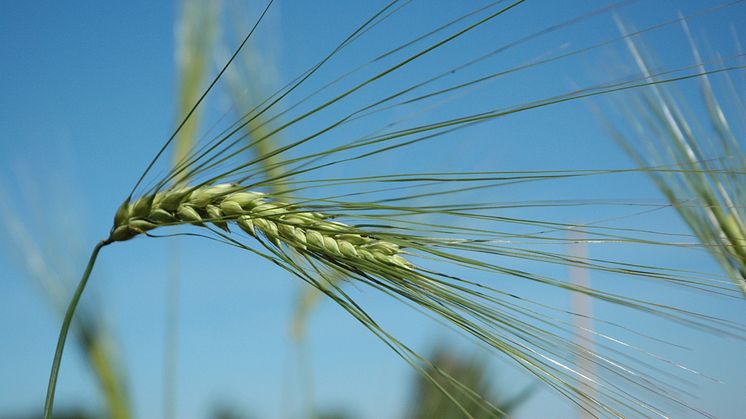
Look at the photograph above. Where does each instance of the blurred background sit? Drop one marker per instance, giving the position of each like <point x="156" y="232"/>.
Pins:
<point x="91" y="90"/>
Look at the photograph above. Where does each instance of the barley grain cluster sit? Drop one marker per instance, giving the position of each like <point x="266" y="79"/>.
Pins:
<point x="280" y="222"/>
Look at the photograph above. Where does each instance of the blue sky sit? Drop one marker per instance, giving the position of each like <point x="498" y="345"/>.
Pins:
<point x="88" y="97"/>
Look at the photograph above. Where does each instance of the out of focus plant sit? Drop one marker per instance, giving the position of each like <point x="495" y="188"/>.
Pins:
<point x="47" y="266"/>
<point x="708" y="187"/>
<point x="228" y="412"/>
<point x="63" y="414"/>
<point x="439" y="398"/>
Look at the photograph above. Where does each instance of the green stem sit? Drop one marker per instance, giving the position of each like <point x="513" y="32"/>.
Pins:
<point x="66" y="327"/>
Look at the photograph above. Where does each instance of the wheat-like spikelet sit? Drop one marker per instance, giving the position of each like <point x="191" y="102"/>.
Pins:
<point x="281" y="223"/>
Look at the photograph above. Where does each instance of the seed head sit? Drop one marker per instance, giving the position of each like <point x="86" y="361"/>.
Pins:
<point x="279" y="222"/>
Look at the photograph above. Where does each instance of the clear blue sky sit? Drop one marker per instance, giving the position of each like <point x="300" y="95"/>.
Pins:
<point x="88" y="97"/>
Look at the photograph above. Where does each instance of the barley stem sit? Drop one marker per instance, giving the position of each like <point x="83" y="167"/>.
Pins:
<point x="66" y="327"/>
